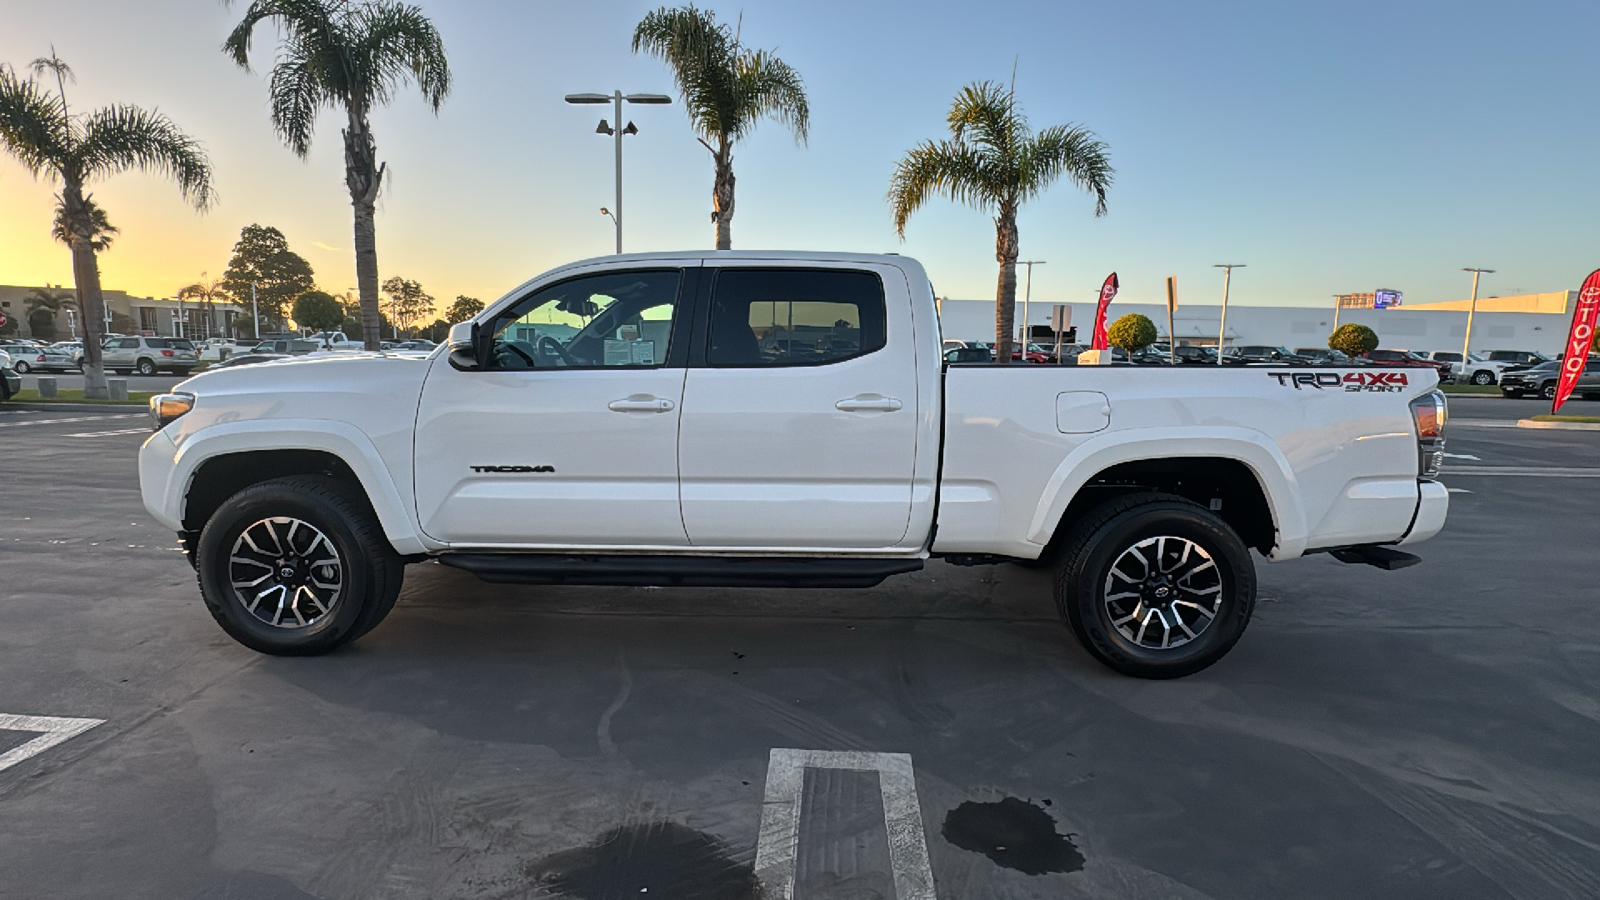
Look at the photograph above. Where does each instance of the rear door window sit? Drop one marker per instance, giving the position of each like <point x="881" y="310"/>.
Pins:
<point x="794" y="317"/>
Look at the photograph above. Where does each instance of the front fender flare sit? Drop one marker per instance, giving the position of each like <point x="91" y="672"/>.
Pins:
<point x="341" y="439"/>
<point x="1252" y="449"/>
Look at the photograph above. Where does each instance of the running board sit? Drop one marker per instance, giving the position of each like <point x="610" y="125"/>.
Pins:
<point x="680" y="571"/>
<point x="1386" y="558"/>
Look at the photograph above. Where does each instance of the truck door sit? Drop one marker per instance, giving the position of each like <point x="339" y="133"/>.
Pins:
<point x="570" y="437"/>
<point x="800" y="413"/>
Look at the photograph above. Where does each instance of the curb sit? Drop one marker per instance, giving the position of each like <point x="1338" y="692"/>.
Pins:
<point x="1559" y="426"/>
<point x="48" y="406"/>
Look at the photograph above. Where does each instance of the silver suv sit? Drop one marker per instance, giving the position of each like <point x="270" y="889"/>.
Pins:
<point x="149" y="355"/>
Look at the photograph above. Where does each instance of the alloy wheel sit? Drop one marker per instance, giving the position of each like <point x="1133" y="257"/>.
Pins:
<point x="286" y="573"/>
<point x="1163" y="592"/>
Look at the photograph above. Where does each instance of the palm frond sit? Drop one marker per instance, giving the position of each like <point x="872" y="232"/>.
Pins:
<point x="987" y="113"/>
<point x="294" y="92"/>
<point x="96" y="224"/>
<point x="942" y="168"/>
<point x="32" y="126"/>
<point x="300" y="19"/>
<point x="768" y="86"/>
<point x="701" y="54"/>
<point x="397" y="43"/>
<point x="1066" y="150"/>
<point x="118" y="138"/>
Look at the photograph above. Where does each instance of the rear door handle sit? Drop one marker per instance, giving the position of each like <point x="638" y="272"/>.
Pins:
<point x="868" y="403"/>
<point x="641" y="403"/>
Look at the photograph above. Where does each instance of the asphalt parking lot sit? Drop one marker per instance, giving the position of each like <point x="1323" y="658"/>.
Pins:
<point x="1428" y="733"/>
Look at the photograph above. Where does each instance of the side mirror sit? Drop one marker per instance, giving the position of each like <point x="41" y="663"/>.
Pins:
<point x="469" y="346"/>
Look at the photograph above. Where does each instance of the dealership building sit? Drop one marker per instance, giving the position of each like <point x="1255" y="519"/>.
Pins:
<point x="1537" y="322"/>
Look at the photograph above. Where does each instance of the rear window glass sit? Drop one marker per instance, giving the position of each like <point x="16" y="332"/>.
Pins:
<point x="795" y="317"/>
<point x="180" y="344"/>
<point x="157" y="343"/>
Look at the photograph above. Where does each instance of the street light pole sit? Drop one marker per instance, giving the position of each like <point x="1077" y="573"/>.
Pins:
<point x="1027" y="295"/>
<point x="1472" y="309"/>
<point x="255" y="312"/>
<point x="1227" y="280"/>
<point x="1338" y="306"/>
<point x="617" y="131"/>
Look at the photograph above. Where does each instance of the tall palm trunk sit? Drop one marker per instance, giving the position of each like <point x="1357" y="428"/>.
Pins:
<point x="1005" y="301"/>
<point x="86" y="279"/>
<point x="363" y="175"/>
<point x="722" y="195"/>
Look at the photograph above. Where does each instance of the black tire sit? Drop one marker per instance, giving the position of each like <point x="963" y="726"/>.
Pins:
<point x="1510" y="395"/>
<point x="123" y="372"/>
<point x="146" y="367"/>
<point x="1481" y="378"/>
<point x="1548" y="390"/>
<point x="370" y="571"/>
<point x="1105" y="536"/>
<point x="1590" y="396"/>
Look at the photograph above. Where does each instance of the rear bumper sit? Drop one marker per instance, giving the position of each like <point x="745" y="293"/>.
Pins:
<point x="1433" y="505"/>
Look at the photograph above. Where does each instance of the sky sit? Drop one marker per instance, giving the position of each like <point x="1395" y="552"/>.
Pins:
<point x="1331" y="148"/>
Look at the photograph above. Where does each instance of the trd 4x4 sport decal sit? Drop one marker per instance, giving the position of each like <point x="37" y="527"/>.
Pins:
<point x="1378" y="382"/>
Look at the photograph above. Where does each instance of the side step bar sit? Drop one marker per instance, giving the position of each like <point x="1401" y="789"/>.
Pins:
<point x="1386" y="558"/>
<point x="680" y="571"/>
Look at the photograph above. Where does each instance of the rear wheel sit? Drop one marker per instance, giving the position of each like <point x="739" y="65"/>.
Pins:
<point x="1155" y="586"/>
<point x="1481" y="378"/>
<point x="297" y="566"/>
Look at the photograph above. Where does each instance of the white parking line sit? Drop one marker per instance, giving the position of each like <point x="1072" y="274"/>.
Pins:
<point x="1462" y="456"/>
<point x="55" y="730"/>
<point x="1522" y="471"/>
<point x="778" y="844"/>
<point x="73" y="419"/>
<point x="85" y="434"/>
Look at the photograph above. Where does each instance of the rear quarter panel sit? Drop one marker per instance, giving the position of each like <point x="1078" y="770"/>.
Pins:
<point x="1338" y="466"/>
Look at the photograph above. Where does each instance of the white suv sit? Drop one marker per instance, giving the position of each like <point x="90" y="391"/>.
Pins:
<point x="1477" y="369"/>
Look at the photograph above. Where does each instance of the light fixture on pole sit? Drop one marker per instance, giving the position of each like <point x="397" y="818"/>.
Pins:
<point x="1227" y="280"/>
<point x="1027" y="295"/>
<point x="1472" y="309"/>
<point x="615" y="98"/>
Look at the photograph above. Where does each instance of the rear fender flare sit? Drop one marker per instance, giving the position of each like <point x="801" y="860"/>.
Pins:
<point x="1251" y="448"/>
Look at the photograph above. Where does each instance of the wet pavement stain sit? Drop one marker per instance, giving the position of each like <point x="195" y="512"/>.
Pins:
<point x="1014" y="834"/>
<point x="651" y="859"/>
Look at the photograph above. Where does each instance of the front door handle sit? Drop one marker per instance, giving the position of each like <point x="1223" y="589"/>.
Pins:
<point x="868" y="403"/>
<point x="641" y="403"/>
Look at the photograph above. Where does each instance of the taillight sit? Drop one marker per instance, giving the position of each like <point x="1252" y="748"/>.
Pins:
<point x="1430" y="413"/>
<point x="166" y="353"/>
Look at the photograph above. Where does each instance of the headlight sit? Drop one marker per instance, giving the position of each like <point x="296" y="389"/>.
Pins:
<point x="166" y="408"/>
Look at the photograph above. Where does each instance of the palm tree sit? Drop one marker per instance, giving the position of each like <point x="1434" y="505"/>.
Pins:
<point x="349" y="57"/>
<point x="101" y="231"/>
<point x="38" y="130"/>
<point x="44" y="298"/>
<point x="994" y="162"/>
<point x="726" y="89"/>
<point x="206" y="293"/>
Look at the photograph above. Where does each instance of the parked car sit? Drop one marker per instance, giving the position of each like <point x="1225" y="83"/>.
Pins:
<point x="1525" y="358"/>
<point x="1147" y="490"/>
<point x="10" y="381"/>
<point x="5" y="358"/>
<point x="338" y="340"/>
<point x="1036" y="354"/>
<point x="965" y="354"/>
<point x="43" y="359"/>
<point x="287" y="346"/>
<point x="73" y="349"/>
<point x="1541" y="381"/>
<point x="839" y="347"/>
<point x="149" y="355"/>
<point x="248" y="358"/>
<point x="1323" y="356"/>
<point x="1476" y="369"/>
<point x="1257" y="354"/>
<point x="1416" y="360"/>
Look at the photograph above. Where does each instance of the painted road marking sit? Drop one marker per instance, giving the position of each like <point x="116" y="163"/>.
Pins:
<point x="55" y="731"/>
<point x="778" y="844"/>
<point x="1458" y="490"/>
<point x="86" y="434"/>
<point x="1523" y="471"/>
<point x="73" y="419"/>
<point x="1463" y="456"/>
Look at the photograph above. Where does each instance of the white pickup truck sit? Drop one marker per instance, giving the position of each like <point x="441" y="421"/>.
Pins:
<point x="778" y="419"/>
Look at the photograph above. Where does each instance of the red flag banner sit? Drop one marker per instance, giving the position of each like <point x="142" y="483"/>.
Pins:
<point x="1107" y="291"/>
<point x="1579" y="339"/>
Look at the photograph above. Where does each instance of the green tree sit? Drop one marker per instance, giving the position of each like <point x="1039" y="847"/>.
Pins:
<point x="726" y="88"/>
<point x="318" y="311"/>
<point x="408" y="302"/>
<point x="76" y="150"/>
<point x="262" y="258"/>
<point x="994" y="162"/>
<point x="43" y="304"/>
<point x="1132" y="333"/>
<point x="1353" y="339"/>
<point x="349" y="57"/>
<point x="462" y="309"/>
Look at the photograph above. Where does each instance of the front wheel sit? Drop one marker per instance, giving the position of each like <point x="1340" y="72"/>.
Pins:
<point x="22" y="367"/>
<point x="1548" y="391"/>
<point x="297" y="566"/>
<point x="146" y="367"/>
<point x="1155" y="586"/>
<point x="1482" y="378"/>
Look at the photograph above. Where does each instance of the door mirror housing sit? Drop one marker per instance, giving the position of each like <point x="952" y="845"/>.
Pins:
<point x="469" y="346"/>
